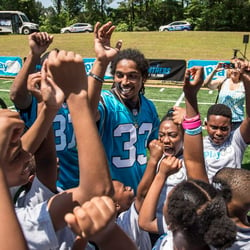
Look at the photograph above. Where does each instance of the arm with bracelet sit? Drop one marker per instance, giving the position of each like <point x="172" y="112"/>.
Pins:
<point x="193" y="141"/>
<point x="104" y="54"/>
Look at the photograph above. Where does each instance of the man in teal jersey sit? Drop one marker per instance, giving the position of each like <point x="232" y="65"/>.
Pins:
<point x="127" y="120"/>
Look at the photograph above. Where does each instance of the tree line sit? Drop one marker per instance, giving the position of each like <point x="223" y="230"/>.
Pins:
<point x="137" y="15"/>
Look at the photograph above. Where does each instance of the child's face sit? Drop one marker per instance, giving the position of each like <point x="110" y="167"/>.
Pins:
<point x="18" y="168"/>
<point x="124" y="195"/>
<point x="218" y="128"/>
<point x="171" y="136"/>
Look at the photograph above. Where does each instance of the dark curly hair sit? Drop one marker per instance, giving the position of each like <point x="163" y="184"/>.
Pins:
<point x="169" y="117"/>
<point x="233" y="183"/>
<point x="219" y="109"/>
<point x="199" y="211"/>
<point x="133" y="55"/>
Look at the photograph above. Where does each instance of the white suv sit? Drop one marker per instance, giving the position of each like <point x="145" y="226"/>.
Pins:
<point x="177" y="25"/>
<point x="78" y="27"/>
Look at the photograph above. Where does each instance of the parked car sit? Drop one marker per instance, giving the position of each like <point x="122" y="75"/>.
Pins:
<point x="177" y="25"/>
<point x="78" y="27"/>
<point x="16" y="22"/>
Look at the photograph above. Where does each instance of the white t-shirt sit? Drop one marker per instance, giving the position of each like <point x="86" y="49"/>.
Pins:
<point x="128" y="221"/>
<point x="229" y="154"/>
<point x="34" y="218"/>
<point x="171" y="182"/>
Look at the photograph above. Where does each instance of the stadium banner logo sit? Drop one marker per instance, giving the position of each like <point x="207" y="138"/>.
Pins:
<point x="158" y="70"/>
<point x="209" y="66"/>
<point x="10" y="66"/>
<point x="171" y="70"/>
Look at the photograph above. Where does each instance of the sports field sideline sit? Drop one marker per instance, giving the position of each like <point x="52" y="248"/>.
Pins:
<point x="159" y="93"/>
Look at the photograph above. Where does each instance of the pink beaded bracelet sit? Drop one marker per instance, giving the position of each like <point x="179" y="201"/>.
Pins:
<point x="191" y="125"/>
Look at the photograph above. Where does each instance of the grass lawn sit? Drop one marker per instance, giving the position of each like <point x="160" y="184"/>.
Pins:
<point x="164" y="98"/>
<point x="155" y="45"/>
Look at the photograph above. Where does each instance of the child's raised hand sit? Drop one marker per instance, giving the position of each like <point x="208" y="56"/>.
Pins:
<point x="39" y="42"/>
<point x="52" y="95"/>
<point x="170" y="165"/>
<point x="34" y="85"/>
<point x="67" y="70"/>
<point x="44" y="88"/>
<point x="178" y="114"/>
<point x="156" y="150"/>
<point x="102" y="37"/>
<point x="94" y="219"/>
<point x="11" y="129"/>
<point x="244" y="67"/>
<point x="193" y="79"/>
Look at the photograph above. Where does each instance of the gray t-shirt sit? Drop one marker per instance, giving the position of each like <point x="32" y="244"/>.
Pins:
<point x="32" y="212"/>
<point x="229" y="154"/>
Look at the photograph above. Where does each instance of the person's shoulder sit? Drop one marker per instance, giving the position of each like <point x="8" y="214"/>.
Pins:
<point x="145" y="99"/>
<point x="106" y="92"/>
<point x="108" y="96"/>
<point x="145" y="102"/>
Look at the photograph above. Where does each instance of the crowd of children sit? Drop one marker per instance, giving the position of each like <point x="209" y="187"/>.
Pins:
<point x="74" y="157"/>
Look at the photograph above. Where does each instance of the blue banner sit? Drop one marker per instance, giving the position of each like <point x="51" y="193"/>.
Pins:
<point x="88" y="62"/>
<point x="209" y="66"/>
<point x="10" y="65"/>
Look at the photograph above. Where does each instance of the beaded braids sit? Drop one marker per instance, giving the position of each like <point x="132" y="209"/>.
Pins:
<point x="136" y="56"/>
<point x="197" y="209"/>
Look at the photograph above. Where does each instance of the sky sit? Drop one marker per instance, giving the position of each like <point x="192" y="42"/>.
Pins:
<point x="47" y="3"/>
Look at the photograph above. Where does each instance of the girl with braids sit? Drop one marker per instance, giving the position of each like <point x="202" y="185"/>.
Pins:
<point x="197" y="216"/>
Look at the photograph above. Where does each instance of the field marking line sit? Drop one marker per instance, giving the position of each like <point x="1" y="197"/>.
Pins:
<point x="4" y="90"/>
<point x="173" y="101"/>
<point x="7" y="81"/>
<point x="179" y="99"/>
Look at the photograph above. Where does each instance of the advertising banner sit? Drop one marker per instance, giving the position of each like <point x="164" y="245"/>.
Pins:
<point x="171" y="70"/>
<point x="209" y="66"/>
<point x="159" y="69"/>
<point x="10" y="65"/>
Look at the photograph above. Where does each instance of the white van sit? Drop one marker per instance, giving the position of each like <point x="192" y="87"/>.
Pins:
<point x="16" y="22"/>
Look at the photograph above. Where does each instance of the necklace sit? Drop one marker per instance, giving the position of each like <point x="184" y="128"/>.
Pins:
<point x="132" y="107"/>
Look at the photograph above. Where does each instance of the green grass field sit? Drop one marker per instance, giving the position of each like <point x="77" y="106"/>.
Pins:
<point x="164" y="98"/>
<point x="155" y="45"/>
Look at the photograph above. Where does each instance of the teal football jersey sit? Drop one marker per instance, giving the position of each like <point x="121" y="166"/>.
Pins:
<point x="125" y="135"/>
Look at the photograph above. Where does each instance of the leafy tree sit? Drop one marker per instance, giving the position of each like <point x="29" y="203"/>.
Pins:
<point x="58" y="5"/>
<point x="137" y="14"/>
